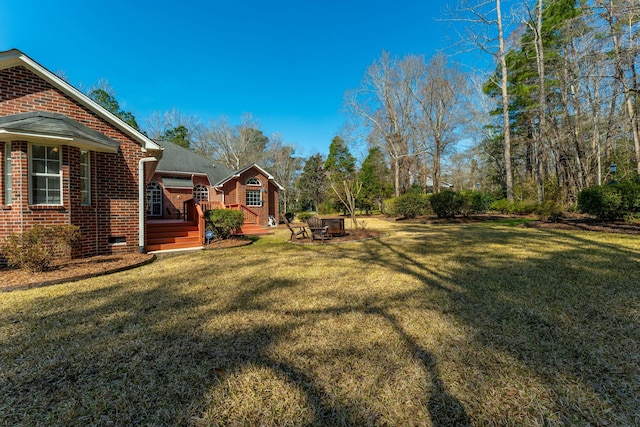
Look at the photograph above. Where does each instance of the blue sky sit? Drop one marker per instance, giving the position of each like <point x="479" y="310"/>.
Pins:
<point x="286" y="62"/>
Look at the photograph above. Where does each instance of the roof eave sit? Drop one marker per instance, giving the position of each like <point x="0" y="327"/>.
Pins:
<point x="57" y="139"/>
<point x="15" y="57"/>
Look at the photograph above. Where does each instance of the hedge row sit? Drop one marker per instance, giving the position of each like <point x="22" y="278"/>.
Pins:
<point x="612" y="201"/>
<point x="445" y="204"/>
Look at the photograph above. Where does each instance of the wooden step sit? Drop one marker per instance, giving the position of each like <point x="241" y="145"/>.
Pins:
<point x="172" y="236"/>
<point x="155" y="240"/>
<point x="172" y="246"/>
<point x="250" y="229"/>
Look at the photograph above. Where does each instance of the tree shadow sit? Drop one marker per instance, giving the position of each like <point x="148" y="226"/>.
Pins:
<point x="120" y="354"/>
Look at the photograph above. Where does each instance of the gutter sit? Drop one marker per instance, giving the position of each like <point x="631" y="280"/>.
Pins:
<point x="141" y="194"/>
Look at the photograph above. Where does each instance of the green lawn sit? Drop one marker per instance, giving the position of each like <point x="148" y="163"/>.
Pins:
<point x="481" y="324"/>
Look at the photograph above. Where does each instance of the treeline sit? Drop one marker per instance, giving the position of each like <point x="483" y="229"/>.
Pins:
<point x="558" y="114"/>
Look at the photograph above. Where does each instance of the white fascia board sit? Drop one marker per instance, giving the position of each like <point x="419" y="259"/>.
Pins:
<point x="15" y="57"/>
<point x="83" y="144"/>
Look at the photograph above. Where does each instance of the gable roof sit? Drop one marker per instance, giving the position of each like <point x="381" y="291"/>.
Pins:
<point x="46" y="126"/>
<point x="182" y="161"/>
<point x="246" y="168"/>
<point x="14" y="57"/>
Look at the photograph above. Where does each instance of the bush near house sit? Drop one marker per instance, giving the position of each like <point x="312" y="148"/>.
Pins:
<point x="35" y="249"/>
<point x="223" y="221"/>
<point x="612" y="201"/>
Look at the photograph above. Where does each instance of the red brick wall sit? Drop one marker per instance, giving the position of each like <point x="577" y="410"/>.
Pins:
<point x="114" y="208"/>
<point x="235" y="192"/>
<point x="174" y="198"/>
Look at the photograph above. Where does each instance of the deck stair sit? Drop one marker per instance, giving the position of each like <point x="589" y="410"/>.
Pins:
<point x="172" y="235"/>
<point x="251" y="229"/>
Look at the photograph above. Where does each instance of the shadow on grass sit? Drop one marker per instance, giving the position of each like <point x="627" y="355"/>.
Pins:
<point x="152" y="354"/>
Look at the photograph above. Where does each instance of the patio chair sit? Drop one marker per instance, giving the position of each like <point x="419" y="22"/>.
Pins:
<point x="297" y="231"/>
<point x="318" y="231"/>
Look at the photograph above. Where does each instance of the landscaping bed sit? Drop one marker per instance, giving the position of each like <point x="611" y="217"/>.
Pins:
<point x="67" y="270"/>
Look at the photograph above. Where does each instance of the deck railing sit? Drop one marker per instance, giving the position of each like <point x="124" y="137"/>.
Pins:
<point x="193" y="213"/>
<point x="249" y="215"/>
<point x="206" y="206"/>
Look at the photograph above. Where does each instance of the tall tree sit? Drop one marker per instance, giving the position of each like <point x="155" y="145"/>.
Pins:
<point x="104" y="95"/>
<point x="178" y="135"/>
<point x="486" y="31"/>
<point x="384" y="107"/>
<point x="312" y="182"/>
<point x="621" y="17"/>
<point x="174" y="126"/>
<point x="285" y="166"/>
<point x="441" y="99"/>
<point x="340" y="164"/>
<point x="233" y="146"/>
<point x="374" y="175"/>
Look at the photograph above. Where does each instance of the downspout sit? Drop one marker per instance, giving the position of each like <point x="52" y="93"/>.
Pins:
<point x="141" y="196"/>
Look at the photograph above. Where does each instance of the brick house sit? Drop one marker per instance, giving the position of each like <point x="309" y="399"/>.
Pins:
<point x="183" y="176"/>
<point x="66" y="160"/>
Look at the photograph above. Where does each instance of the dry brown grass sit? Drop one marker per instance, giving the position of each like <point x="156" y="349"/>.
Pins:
<point x="467" y="324"/>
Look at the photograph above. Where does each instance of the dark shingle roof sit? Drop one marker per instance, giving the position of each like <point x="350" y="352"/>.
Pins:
<point x="184" y="161"/>
<point x="45" y="124"/>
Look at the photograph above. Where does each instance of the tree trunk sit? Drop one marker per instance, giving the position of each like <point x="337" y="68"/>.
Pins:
<point x="505" y="106"/>
<point x="542" y="97"/>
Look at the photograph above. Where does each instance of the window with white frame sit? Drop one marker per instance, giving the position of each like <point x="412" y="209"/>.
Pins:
<point x="254" y="198"/>
<point x="154" y="199"/>
<point x="85" y="178"/>
<point x="201" y="193"/>
<point x="7" y="173"/>
<point x="253" y="181"/>
<point x="46" y="175"/>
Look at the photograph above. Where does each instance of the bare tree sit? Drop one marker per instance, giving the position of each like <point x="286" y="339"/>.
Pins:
<point x="348" y="196"/>
<point x="284" y="165"/>
<point x="158" y="124"/>
<point x="233" y="146"/>
<point x="441" y="100"/>
<point x="486" y="31"/>
<point x="384" y="106"/>
<point x="621" y="16"/>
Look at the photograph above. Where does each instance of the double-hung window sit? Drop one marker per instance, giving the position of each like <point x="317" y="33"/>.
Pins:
<point x="46" y="175"/>
<point x="85" y="178"/>
<point x="254" y="192"/>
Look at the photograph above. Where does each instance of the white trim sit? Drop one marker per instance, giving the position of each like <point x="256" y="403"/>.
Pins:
<point x="83" y="144"/>
<point x="243" y="170"/>
<point x="14" y="57"/>
<point x="142" y="193"/>
<point x="31" y="174"/>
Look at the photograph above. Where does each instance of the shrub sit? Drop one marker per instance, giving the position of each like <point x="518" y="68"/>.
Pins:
<point x="35" y="249"/>
<point x="411" y="204"/>
<point x="550" y="211"/>
<point x="609" y="202"/>
<point x="223" y="221"/>
<point x="524" y="207"/>
<point x="389" y="206"/>
<point x="447" y="204"/>
<point x="476" y="202"/>
<point x="303" y="216"/>
<point x="500" y="205"/>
